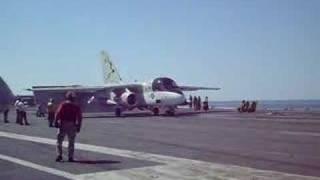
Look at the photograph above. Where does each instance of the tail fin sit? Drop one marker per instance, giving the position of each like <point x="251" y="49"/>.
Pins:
<point x="110" y="72"/>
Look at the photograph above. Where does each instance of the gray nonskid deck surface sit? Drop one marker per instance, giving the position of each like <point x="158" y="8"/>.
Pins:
<point x="283" y="142"/>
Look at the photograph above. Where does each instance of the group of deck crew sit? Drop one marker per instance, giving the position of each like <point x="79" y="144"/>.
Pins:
<point x="66" y="116"/>
<point x="246" y="106"/>
<point x="196" y="103"/>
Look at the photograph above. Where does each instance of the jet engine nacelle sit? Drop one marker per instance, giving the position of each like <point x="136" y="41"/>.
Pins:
<point x="129" y="98"/>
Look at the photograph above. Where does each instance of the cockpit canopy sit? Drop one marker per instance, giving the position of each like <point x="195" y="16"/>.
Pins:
<point x="165" y="84"/>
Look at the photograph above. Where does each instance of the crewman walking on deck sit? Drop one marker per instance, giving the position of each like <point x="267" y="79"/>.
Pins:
<point x="17" y="111"/>
<point x="68" y="120"/>
<point x="51" y="107"/>
<point x="23" y="120"/>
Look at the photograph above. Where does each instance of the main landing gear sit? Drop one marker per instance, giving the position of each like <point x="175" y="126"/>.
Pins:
<point x="118" y="111"/>
<point x="170" y="112"/>
<point x="156" y="111"/>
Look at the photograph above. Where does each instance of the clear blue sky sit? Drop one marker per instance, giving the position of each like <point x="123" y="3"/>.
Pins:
<point x="252" y="49"/>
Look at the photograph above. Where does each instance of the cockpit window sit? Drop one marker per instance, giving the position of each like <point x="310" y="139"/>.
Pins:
<point x="165" y="84"/>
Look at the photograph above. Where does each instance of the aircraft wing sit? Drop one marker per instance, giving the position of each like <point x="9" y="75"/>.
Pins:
<point x="78" y="88"/>
<point x="196" y="88"/>
<point x="65" y="88"/>
<point x="85" y="94"/>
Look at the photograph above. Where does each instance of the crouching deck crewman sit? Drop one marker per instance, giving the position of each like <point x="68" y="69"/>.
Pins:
<point x="68" y="119"/>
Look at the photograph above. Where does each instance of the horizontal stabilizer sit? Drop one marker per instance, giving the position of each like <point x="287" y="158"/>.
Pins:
<point x="111" y="102"/>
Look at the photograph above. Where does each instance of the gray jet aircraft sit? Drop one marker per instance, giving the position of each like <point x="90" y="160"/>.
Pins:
<point x="162" y="93"/>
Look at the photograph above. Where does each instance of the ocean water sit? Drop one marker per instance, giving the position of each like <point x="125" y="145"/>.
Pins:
<point x="289" y="105"/>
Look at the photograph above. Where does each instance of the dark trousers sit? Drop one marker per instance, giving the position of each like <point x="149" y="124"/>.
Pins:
<point x="205" y="106"/>
<point x="51" y="118"/>
<point x="18" y="116"/>
<point x="67" y="129"/>
<point x="23" y="118"/>
<point x="5" y="115"/>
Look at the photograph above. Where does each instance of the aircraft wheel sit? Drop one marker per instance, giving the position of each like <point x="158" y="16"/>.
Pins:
<point x="170" y="112"/>
<point x="156" y="111"/>
<point x="118" y="112"/>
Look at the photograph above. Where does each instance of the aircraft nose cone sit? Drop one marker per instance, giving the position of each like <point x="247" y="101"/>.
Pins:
<point x="178" y="98"/>
<point x="182" y="98"/>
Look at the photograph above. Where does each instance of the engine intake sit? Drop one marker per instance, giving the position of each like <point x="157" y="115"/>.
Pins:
<point x="129" y="98"/>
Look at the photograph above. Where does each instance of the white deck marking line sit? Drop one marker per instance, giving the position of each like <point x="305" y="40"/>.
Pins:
<point x="38" y="167"/>
<point x="173" y="168"/>
<point x="301" y="133"/>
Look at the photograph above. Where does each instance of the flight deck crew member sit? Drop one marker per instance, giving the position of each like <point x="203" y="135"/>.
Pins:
<point x="242" y="106"/>
<point x="17" y="111"/>
<point x="190" y="101"/>
<point x="41" y="110"/>
<point x="246" y="106"/>
<point x="199" y="103"/>
<point x="206" y="104"/>
<point x="195" y="100"/>
<point x="51" y="107"/>
<point x="5" y="114"/>
<point x="68" y="120"/>
<point x="253" y="107"/>
<point x="22" y="113"/>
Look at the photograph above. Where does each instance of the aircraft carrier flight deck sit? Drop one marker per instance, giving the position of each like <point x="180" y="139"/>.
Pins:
<point x="191" y="145"/>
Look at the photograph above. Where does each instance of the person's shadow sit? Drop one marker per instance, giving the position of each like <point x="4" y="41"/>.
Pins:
<point x="96" y="161"/>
